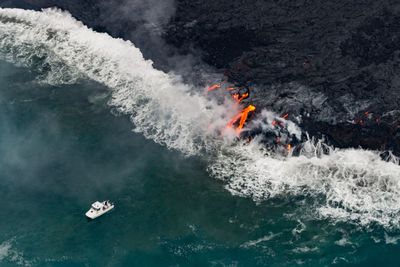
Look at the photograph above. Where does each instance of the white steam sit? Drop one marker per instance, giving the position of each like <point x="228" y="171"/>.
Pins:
<point x="350" y="184"/>
<point x="160" y="105"/>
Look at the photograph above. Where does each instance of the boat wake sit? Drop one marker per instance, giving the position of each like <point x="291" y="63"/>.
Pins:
<point x="350" y="185"/>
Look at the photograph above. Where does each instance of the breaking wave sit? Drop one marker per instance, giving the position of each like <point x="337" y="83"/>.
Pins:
<point x="64" y="50"/>
<point x="350" y="185"/>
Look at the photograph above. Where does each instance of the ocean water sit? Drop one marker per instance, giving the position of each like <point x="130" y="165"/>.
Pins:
<point x="84" y="117"/>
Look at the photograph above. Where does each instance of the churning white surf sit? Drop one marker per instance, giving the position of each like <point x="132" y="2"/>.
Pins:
<point x="160" y="105"/>
<point x="350" y="184"/>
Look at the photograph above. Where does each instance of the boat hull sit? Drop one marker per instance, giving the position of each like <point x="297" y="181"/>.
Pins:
<point x="93" y="214"/>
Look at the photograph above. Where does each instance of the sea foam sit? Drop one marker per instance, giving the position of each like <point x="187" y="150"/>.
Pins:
<point x="160" y="105"/>
<point x="350" y="185"/>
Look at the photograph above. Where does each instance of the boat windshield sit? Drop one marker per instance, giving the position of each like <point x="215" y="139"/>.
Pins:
<point x="96" y="206"/>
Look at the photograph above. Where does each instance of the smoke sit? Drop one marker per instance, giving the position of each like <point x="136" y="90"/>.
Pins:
<point x="152" y="15"/>
<point x="50" y="135"/>
<point x="349" y="185"/>
<point x="160" y="105"/>
<point x="144" y="23"/>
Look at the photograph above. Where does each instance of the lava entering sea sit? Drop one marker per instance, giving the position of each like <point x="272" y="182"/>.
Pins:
<point x="238" y="94"/>
<point x="273" y="129"/>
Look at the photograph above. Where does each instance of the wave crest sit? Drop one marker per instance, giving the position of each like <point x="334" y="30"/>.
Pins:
<point x="351" y="184"/>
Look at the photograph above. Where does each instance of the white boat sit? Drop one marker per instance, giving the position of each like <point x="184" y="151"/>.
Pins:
<point x="99" y="208"/>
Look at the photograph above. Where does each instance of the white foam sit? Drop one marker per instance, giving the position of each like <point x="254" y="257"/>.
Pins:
<point x="300" y="227"/>
<point x="305" y="249"/>
<point x="160" y="105"/>
<point x="350" y="184"/>
<point x="252" y="243"/>
<point x="10" y="254"/>
<point x="393" y="240"/>
<point x="344" y="241"/>
<point x="4" y="250"/>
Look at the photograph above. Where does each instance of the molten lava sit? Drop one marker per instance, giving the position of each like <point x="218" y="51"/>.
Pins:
<point x="213" y="87"/>
<point x="289" y="147"/>
<point x="238" y="94"/>
<point x="236" y="97"/>
<point x="241" y="97"/>
<point x="241" y="118"/>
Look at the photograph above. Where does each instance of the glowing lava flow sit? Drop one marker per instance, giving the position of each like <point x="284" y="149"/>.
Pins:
<point x="239" y="120"/>
<point x="243" y="115"/>
<point x="213" y="87"/>
<point x="238" y="97"/>
<point x="285" y="116"/>
<point x="235" y="92"/>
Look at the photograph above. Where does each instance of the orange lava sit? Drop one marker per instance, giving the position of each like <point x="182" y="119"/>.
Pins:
<point x="241" y="117"/>
<point x="213" y="87"/>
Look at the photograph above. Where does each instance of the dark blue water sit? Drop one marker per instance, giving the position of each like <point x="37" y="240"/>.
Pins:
<point x="61" y="149"/>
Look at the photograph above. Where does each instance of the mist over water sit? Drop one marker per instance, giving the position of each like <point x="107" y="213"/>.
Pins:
<point x="353" y="185"/>
<point x="148" y="95"/>
<point x="346" y="192"/>
<point x="61" y="149"/>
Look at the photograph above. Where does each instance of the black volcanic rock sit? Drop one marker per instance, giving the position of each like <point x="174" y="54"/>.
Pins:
<point x="335" y="64"/>
<point x="332" y="62"/>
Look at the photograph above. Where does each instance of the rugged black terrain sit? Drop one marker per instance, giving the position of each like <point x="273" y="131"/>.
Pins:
<point x="334" y="63"/>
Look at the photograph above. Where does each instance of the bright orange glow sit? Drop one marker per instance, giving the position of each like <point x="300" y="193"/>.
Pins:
<point x="234" y="119"/>
<point x="236" y="96"/>
<point x="240" y="119"/>
<point x="289" y="147"/>
<point x="244" y="96"/>
<point x="213" y="87"/>
<point x="243" y="118"/>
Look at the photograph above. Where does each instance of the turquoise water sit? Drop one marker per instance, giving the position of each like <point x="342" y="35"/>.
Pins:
<point x="61" y="148"/>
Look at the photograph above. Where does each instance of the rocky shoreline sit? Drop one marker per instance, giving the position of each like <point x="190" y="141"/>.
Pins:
<point x="334" y="64"/>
